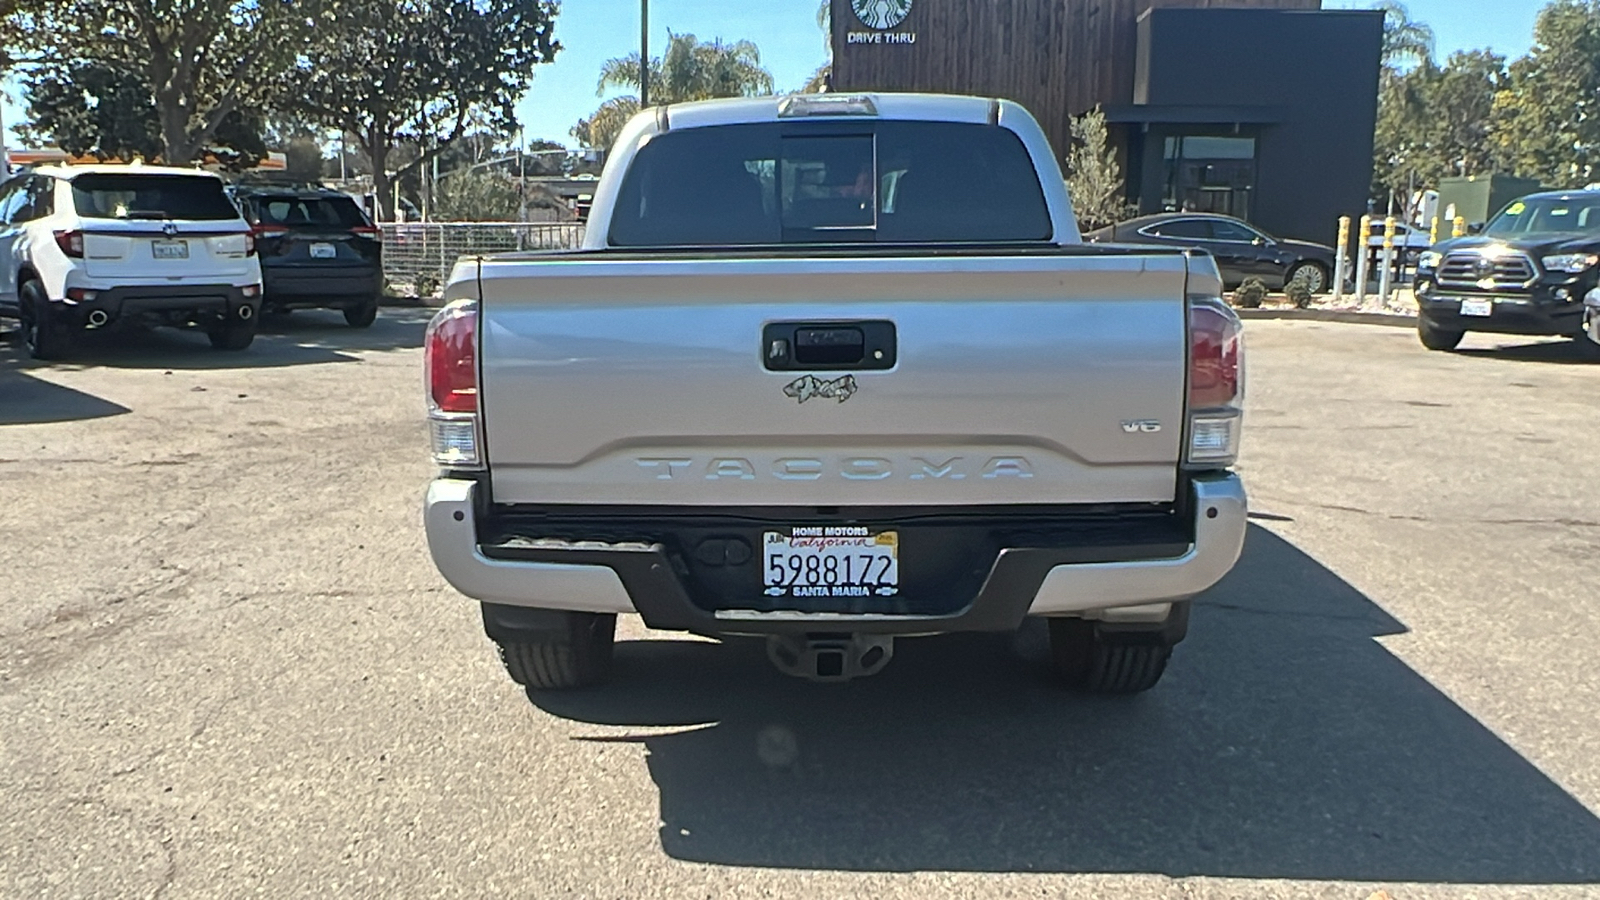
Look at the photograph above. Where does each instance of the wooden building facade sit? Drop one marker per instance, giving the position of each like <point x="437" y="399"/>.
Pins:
<point x="1162" y="70"/>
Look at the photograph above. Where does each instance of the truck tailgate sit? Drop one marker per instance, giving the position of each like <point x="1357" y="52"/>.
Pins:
<point x="1035" y="378"/>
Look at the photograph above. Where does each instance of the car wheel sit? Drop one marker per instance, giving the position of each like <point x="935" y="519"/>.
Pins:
<point x="578" y="655"/>
<point x="44" y="332"/>
<point x="1313" y="274"/>
<point x="1436" y="338"/>
<point x="1088" y="658"/>
<point x="363" y="314"/>
<point x="233" y="335"/>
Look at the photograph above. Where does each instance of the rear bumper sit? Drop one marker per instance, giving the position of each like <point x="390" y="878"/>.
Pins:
<point x="326" y="286"/>
<point x="1126" y="581"/>
<point x="165" y="303"/>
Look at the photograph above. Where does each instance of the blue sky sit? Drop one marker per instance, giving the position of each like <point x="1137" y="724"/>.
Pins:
<point x="1506" y="26"/>
<point x="792" y="46"/>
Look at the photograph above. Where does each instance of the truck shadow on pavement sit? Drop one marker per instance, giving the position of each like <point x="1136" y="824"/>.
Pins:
<point x="1284" y="743"/>
<point x="25" y="400"/>
<point x="304" y="338"/>
<point x="1567" y="353"/>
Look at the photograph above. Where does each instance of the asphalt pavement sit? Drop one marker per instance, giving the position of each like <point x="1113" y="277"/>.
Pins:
<point x="228" y="667"/>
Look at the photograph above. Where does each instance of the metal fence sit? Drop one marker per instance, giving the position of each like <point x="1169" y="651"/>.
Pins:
<point x="418" y="256"/>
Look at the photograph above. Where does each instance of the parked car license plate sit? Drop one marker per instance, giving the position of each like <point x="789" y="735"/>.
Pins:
<point x="170" y="249"/>
<point x="1477" y="307"/>
<point x="324" y="251"/>
<point x="831" y="561"/>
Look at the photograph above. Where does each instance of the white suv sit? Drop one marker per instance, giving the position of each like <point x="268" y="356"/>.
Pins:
<point x="86" y="247"/>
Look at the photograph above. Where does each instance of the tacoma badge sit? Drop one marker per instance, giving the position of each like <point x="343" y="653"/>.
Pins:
<point x="840" y="389"/>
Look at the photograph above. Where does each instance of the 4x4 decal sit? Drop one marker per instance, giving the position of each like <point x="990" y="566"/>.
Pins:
<point x="840" y="389"/>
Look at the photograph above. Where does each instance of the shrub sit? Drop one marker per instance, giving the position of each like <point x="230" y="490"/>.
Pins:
<point x="1250" y="294"/>
<point x="1299" y="292"/>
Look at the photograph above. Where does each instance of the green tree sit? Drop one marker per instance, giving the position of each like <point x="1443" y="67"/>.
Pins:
<point x="477" y="196"/>
<point x="424" y="72"/>
<point x="302" y="158"/>
<point x="1094" y="178"/>
<point x="819" y="81"/>
<point x="600" y="130"/>
<point x="693" y="70"/>
<point x="1436" y="122"/>
<point x="688" y="70"/>
<point x="91" y="109"/>
<point x="823" y="77"/>
<point x="200" y="67"/>
<point x="1549" y="111"/>
<point x="1405" y="40"/>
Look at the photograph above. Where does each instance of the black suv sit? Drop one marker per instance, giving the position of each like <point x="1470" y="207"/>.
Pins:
<point x="318" y="250"/>
<point x="1528" y="272"/>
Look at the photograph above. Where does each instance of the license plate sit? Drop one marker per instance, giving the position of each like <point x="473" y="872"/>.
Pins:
<point x="1477" y="307"/>
<point x="170" y="249"/>
<point x="324" y="251"/>
<point x="831" y="561"/>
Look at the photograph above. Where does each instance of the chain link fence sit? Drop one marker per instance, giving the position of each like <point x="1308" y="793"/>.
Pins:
<point x="418" y="256"/>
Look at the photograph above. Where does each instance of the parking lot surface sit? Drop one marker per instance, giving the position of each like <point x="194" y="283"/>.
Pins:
<point x="228" y="667"/>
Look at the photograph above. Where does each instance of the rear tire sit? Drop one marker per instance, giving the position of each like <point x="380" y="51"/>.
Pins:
<point x="1436" y="338"/>
<point x="1090" y="659"/>
<point x="362" y="315"/>
<point x="44" y="333"/>
<point x="576" y="656"/>
<point x="233" y="335"/>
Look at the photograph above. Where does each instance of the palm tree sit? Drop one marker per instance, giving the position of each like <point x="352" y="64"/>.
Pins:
<point x="1405" y="40"/>
<point x="689" y="70"/>
<point x="693" y="70"/>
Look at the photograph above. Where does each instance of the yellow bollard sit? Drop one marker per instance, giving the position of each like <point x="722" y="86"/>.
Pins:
<point x="1342" y="258"/>
<point x="1433" y="233"/>
<point x="1363" y="258"/>
<point x="1386" y="277"/>
<point x="1460" y="229"/>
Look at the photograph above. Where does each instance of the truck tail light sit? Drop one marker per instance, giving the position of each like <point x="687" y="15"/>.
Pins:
<point x="1216" y="384"/>
<point x="71" y="243"/>
<point x="450" y="361"/>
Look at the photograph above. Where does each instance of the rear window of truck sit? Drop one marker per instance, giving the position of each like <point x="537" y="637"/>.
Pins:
<point x="118" y="196"/>
<point x="830" y="182"/>
<point x="337" y="212"/>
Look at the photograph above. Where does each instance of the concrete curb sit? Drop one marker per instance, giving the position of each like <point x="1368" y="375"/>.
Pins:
<point x="1347" y="316"/>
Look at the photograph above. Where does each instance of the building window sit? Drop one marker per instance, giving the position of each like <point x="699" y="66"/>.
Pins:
<point x="1208" y="173"/>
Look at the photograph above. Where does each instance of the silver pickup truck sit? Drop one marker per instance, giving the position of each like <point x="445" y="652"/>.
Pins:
<point x="832" y="370"/>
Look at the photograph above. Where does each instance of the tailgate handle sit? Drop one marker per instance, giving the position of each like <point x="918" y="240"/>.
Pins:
<point x="787" y="346"/>
<point x="814" y="346"/>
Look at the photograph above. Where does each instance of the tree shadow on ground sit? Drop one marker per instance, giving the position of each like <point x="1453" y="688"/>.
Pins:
<point x="303" y="338"/>
<point x="1285" y="743"/>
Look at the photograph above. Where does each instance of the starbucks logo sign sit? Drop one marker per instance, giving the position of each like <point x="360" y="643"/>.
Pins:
<point x="881" y="14"/>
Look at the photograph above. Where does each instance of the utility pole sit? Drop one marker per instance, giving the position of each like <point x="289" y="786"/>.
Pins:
<point x="644" y="53"/>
